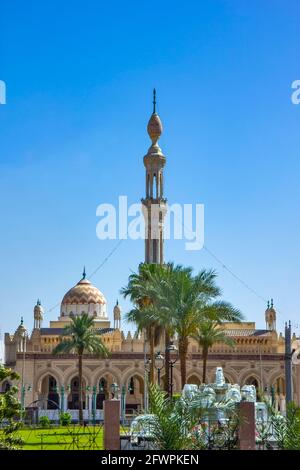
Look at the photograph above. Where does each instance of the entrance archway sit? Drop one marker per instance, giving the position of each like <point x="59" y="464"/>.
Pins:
<point x="73" y="398"/>
<point x="50" y="392"/>
<point x="194" y="379"/>
<point x="102" y="394"/>
<point x="134" y="394"/>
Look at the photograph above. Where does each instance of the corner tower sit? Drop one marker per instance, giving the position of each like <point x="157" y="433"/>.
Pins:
<point x="154" y="204"/>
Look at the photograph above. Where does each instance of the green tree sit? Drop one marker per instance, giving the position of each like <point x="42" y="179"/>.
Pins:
<point x="81" y="337"/>
<point x="10" y="412"/>
<point x="181" y="298"/>
<point x="143" y="314"/>
<point x="207" y="334"/>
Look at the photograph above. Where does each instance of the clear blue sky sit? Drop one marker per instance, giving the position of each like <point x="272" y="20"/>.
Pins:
<point x="79" y="79"/>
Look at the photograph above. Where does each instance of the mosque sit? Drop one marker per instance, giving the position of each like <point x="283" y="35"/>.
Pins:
<point x="50" y="382"/>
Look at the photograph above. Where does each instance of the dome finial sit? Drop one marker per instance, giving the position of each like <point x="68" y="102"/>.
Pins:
<point x="22" y="321"/>
<point x="154" y="101"/>
<point x="84" y="273"/>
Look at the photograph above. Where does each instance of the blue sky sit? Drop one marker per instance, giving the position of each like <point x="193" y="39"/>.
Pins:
<point x="73" y="134"/>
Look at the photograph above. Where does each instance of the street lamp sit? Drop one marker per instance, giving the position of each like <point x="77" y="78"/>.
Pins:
<point x="159" y="365"/>
<point x="25" y="388"/>
<point x="147" y="365"/>
<point x="172" y="349"/>
<point x="114" y="391"/>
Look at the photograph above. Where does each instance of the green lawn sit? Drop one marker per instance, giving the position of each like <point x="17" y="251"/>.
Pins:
<point x="63" y="438"/>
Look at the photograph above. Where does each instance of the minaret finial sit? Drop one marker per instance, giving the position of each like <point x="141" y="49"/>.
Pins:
<point x="21" y="320"/>
<point x="154" y="101"/>
<point x="272" y="303"/>
<point x="84" y="273"/>
<point x="117" y="302"/>
<point x="268" y="305"/>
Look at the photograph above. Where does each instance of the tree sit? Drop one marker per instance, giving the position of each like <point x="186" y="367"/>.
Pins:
<point x="208" y="333"/>
<point x="181" y="297"/>
<point x="81" y="337"/>
<point x="10" y="412"/>
<point x="139" y="291"/>
<point x="185" y="301"/>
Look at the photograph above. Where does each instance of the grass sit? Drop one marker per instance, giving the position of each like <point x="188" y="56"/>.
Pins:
<point x="63" y="438"/>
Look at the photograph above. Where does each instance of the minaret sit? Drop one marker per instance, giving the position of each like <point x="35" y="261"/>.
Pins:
<point x="270" y="317"/>
<point x="154" y="204"/>
<point x="117" y="316"/>
<point x="38" y="315"/>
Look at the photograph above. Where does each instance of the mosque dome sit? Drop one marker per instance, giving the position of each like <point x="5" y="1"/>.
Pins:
<point x="84" y="297"/>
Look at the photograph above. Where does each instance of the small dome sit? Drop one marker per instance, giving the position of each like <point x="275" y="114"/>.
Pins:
<point x="21" y="330"/>
<point x="83" y="293"/>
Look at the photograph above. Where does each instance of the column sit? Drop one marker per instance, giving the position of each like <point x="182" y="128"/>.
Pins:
<point x="247" y="426"/>
<point x="111" y="425"/>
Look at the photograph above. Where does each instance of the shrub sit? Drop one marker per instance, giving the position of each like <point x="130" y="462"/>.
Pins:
<point x="10" y="413"/>
<point x="44" y="421"/>
<point x="65" y="418"/>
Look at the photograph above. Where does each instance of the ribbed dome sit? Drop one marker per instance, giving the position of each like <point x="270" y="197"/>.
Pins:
<point x="83" y="293"/>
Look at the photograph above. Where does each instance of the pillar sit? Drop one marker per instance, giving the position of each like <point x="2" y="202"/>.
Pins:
<point x="246" y="432"/>
<point x="111" y="429"/>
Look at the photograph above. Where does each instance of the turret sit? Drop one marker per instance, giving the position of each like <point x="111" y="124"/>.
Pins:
<point x="38" y="315"/>
<point x="270" y="316"/>
<point x="117" y="316"/>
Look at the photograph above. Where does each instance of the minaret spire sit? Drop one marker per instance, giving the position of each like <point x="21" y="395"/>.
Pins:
<point x="84" y="273"/>
<point x="154" y="101"/>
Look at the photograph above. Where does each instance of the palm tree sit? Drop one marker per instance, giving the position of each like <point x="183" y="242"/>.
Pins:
<point x="186" y="301"/>
<point x="208" y="333"/>
<point x="139" y="290"/>
<point x="182" y="297"/>
<point x="81" y="337"/>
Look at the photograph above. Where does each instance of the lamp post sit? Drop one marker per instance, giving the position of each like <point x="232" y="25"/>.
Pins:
<point x="159" y="365"/>
<point x="172" y="349"/>
<point x="23" y="337"/>
<point x="25" y="388"/>
<point x="114" y="391"/>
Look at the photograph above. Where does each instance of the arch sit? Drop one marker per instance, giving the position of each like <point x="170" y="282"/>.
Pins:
<point x="230" y="376"/>
<point x="134" y="387"/>
<point x="248" y="373"/>
<point x="49" y="392"/>
<point x="43" y="374"/>
<point x="73" y="396"/>
<point x="103" y="393"/>
<point x="5" y="386"/>
<point x="194" y="379"/>
<point x="111" y="371"/>
<point x="73" y="373"/>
